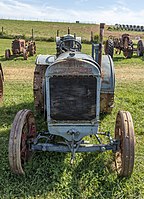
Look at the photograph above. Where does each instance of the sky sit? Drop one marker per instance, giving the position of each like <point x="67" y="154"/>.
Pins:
<point x="93" y="11"/>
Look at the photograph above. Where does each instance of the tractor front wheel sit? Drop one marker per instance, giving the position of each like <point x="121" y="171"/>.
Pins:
<point x="124" y="133"/>
<point x="25" y="54"/>
<point x="7" y="54"/>
<point x="22" y="133"/>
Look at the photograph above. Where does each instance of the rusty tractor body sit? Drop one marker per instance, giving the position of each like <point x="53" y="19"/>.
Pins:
<point x="125" y="44"/>
<point x="21" y="47"/>
<point x="1" y="82"/>
<point x="71" y="88"/>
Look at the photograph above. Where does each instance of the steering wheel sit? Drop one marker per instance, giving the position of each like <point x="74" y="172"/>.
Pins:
<point x="75" y="47"/>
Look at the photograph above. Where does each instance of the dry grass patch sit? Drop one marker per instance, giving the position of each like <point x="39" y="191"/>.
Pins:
<point x="19" y="74"/>
<point x="128" y="74"/>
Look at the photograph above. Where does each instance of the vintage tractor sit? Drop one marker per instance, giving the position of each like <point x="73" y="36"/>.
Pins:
<point x="1" y="82"/>
<point x="123" y="43"/>
<point x="70" y="90"/>
<point x="20" y="46"/>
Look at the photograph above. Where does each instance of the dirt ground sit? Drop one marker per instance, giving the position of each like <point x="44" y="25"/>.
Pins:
<point x="122" y="74"/>
<point x="129" y="74"/>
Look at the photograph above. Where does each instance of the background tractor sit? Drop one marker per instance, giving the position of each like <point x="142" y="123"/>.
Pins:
<point x="20" y="46"/>
<point x="1" y="82"/>
<point x="70" y="90"/>
<point x="125" y="44"/>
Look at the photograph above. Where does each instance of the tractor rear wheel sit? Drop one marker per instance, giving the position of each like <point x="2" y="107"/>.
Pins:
<point x="22" y="133"/>
<point x="128" y="53"/>
<point x="31" y="49"/>
<point x="25" y="54"/>
<point x="7" y="53"/>
<point x="140" y="48"/>
<point x="109" y="47"/>
<point x="38" y="88"/>
<point x="124" y="132"/>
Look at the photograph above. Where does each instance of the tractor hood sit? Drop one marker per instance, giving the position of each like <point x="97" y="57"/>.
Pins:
<point x="73" y="63"/>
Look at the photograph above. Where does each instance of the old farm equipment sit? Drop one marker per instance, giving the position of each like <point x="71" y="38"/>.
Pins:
<point x="21" y="47"/>
<point x="70" y="89"/>
<point x="109" y="47"/>
<point x="124" y="43"/>
<point x="1" y="82"/>
<point x="140" y="48"/>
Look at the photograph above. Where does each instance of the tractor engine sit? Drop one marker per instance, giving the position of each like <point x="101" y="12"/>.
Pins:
<point x="68" y="43"/>
<point x="72" y="95"/>
<point x="72" y="88"/>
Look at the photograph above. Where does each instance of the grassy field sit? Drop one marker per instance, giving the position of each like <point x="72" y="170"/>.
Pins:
<point x="48" y="29"/>
<point x="50" y="175"/>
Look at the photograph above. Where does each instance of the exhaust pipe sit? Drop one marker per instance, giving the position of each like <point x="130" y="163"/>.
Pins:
<point x="101" y="42"/>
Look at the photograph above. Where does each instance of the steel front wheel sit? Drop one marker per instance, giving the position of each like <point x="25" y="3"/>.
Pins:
<point x="25" y="54"/>
<point x="22" y="134"/>
<point x="124" y="132"/>
<point x="7" y="53"/>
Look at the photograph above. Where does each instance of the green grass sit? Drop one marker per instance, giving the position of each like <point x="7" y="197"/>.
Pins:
<point x="46" y="30"/>
<point x="50" y="175"/>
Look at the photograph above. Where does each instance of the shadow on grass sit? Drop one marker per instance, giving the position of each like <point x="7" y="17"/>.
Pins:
<point x="45" y="171"/>
<point x="94" y="177"/>
<point x="7" y="114"/>
<point x="120" y="58"/>
<point x="12" y="57"/>
<point x="42" y="171"/>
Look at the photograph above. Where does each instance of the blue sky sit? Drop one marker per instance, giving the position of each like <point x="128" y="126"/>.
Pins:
<point x="107" y="11"/>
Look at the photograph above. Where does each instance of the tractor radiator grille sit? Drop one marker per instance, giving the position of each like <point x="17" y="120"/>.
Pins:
<point x="72" y="98"/>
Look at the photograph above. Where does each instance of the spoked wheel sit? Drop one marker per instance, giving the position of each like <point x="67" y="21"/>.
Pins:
<point x="32" y="49"/>
<point x="7" y="53"/>
<point x="22" y="133"/>
<point x="25" y="54"/>
<point x="124" y="132"/>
